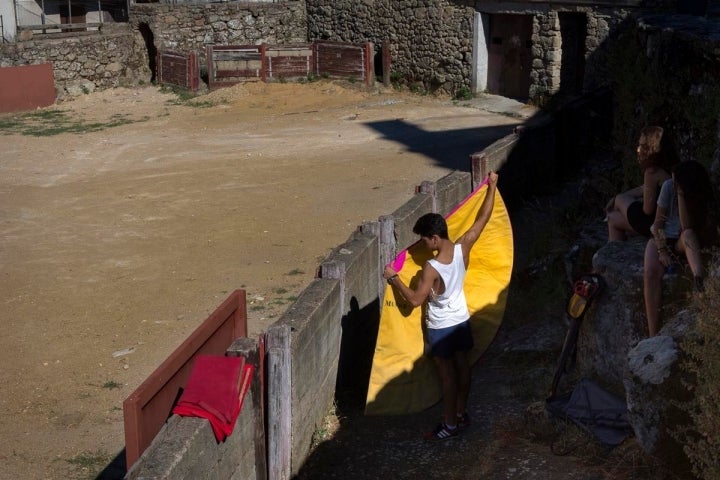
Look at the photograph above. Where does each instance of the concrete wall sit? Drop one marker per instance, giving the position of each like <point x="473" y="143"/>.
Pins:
<point x="186" y="449"/>
<point x="314" y="321"/>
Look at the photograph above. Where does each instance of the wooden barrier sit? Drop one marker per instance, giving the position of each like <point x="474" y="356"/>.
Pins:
<point x="288" y="61"/>
<point x="26" y="87"/>
<point x="178" y="69"/>
<point x="345" y="60"/>
<point x="149" y="406"/>
<point x="232" y="64"/>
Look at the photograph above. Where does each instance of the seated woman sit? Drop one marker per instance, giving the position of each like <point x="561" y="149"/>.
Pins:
<point x="682" y="227"/>
<point x="632" y="212"/>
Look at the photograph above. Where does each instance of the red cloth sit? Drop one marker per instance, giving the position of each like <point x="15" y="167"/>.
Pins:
<point x="215" y="392"/>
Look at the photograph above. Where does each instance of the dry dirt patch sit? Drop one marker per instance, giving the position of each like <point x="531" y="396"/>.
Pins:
<point x="116" y="243"/>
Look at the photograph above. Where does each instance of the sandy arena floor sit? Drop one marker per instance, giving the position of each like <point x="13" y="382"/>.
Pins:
<point x="115" y="244"/>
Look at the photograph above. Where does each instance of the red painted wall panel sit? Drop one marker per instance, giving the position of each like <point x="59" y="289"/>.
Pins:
<point x="26" y="87"/>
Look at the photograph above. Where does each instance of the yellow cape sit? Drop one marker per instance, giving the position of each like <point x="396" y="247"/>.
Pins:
<point x="403" y="379"/>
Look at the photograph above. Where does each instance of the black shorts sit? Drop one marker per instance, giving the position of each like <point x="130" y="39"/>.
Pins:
<point x="444" y="342"/>
<point x="639" y="220"/>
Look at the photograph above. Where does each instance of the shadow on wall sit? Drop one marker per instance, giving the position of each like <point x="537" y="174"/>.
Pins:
<point x="357" y="345"/>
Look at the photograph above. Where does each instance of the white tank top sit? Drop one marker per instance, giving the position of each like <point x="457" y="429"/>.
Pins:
<point x="449" y="308"/>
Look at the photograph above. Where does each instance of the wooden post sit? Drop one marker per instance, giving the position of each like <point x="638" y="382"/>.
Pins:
<point x="478" y="167"/>
<point x="279" y="402"/>
<point x="252" y="352"/>
<point x="386" y="239"/>
<point x="263" y="63"/>
<point x="335" y="270"/>
<point x="429" y="188"/>
<point x="370" y="64"/>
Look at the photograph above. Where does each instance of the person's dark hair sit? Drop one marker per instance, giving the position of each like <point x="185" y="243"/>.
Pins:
<point x="692" y="178"/>
<point x="431" y="224"/>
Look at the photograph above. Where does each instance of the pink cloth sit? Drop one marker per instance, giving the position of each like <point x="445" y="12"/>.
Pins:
<point x="215" y="392"/>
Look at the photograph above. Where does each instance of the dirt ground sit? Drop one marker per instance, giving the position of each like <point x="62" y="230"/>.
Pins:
<point x="116" y="243"/>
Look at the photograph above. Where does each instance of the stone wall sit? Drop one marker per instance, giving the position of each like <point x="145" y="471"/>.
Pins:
<point x="665" y="71"/>
<point x="431" y="40"/>
<point x="119" y="55"/>
<point x="547" y="49"/>
<point x="192" y="27"/>
<point x="84" y="63"/>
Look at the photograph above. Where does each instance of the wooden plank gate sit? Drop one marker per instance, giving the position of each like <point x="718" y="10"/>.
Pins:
<point x="232" y="64"/>
<point x="288" y="61"/>
<point x="178" y="69"/>
<point x="345" y="60"/>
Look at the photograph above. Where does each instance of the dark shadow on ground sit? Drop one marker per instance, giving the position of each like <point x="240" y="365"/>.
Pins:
<point x="449" y="148"/>
<point x="115" y="470"/>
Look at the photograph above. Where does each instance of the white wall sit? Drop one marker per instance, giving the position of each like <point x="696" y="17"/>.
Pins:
<point x="7" y="11"/>
<point x="481" y="30"/>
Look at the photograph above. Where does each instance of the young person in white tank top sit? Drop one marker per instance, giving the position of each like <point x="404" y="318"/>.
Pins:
<point x="448" y="319"/>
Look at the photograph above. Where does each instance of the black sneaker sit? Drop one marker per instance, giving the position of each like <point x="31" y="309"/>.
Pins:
<point x="441" y="432"/>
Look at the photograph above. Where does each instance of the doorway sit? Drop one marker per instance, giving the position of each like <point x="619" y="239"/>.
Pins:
<point x="573" y="30"/>
<point x="509" y="55"/>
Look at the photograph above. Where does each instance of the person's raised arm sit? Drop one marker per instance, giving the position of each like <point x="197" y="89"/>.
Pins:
<point x="468" y="239"/>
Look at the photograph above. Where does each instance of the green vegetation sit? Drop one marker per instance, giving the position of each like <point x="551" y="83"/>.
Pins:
<point x="417" y="87"/>
<point x="702" y="437"/>
<point x="397" y="79"/>
<point x="183" y="94"/>
<point x="187" y="98"/>
<point x="111" y="385"/>
<point x="311" y="78"/>
<point x="326" y="431"/>
<point x="463" y="93"/>
<point x="49" y="122"/>
<point x="89" y="464"/>
<point x="295" y="271"/>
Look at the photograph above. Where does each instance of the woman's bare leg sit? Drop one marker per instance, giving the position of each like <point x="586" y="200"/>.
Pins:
<point x="618" y="225"/>
<point x="689" y="245"/>
<point x="653" y="272"/>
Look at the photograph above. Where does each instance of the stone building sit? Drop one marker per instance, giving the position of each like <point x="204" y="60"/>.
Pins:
<point x="529" y="50"/>
<point x="523" y="49"/>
